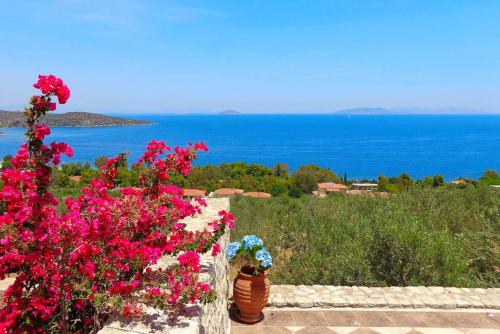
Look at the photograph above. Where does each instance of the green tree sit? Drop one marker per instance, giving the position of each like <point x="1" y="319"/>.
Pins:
<point x="248" y="183"/>
<point x="72" y="169"/>
<point x="280" y="170"/>
<point x="388" y="184"/>
<point x="100" y="161"/>
<point x="438" y="181"/>
<point x="233" y="170"/>
<point x="306" y="181"/>
<point x="490" y="177"/>
<point x="204" y="177"/>
<point x="59" y="178"/>
<point x="179" y="180"/>
<point x="428" y="181"/>
<point x="295" y="191"/>
<point x="279" y="188"/>
<point x="7" y="161"/>
<point x="88" y="175"/>
<point x="383" y="183"/>
<point x="404" y="181"/>
<point x="123" y="160"/>
<point x="258" y="170"/>
<point x="307" y="177"/>
<point x="123" y="177"/>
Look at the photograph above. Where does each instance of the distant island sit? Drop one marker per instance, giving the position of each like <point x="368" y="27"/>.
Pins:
<point x="409" y="111"/>
<point x="15" y="119"/>
<point x="229" y="112"/>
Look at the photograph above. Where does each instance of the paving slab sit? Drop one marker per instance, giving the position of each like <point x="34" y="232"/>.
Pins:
<point x="353" y="321"/>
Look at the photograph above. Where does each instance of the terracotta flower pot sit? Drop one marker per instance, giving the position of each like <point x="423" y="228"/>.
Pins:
<point x="250" y="295"/>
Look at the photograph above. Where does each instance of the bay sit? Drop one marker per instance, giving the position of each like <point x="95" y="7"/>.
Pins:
<point x="363" y="146"/>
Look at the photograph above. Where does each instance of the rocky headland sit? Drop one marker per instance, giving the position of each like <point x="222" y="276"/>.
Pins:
<point x="15" y="119"/>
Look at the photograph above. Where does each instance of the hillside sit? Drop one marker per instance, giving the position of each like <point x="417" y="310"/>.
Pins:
<point x="229" y="112"/>
<point x="15" y="119"/>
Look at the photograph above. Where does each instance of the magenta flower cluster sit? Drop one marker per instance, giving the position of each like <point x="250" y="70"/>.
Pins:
<point x="75" y="265"/>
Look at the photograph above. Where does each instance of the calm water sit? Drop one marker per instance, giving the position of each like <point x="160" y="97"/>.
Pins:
<point x="362" y="146"/>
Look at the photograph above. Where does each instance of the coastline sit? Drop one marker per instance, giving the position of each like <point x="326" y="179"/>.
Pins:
<point x="85" y="126"/>
<point x="14" y="119"/>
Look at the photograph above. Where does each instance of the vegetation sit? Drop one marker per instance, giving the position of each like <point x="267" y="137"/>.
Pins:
<point x="405" y="182"/>
<point x="426" y="233"/>
<point x="250" y="177"/>
<point x="87" y="258"/>
<point x="490" y="177"/>
<point x="424" y="236"/>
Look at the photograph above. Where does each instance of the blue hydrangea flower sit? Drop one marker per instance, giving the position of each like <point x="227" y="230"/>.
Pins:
<point x="249" y="241"/>
<point x="232" y="250"/>
<point x="264" y="257"/>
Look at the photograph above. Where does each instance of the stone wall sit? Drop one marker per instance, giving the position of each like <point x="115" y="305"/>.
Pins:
<point x="435" y="297"/>
<point x="214" y="317"/>
<point x="204" y="319"/>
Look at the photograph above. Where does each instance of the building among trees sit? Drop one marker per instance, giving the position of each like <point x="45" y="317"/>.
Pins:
<point x="325" y="188"/>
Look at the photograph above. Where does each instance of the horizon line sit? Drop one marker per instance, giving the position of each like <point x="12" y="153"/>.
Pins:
<point x="343" y="112"/>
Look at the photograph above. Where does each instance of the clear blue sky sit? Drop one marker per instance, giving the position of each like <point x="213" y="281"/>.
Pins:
<point x="254" y="56"/>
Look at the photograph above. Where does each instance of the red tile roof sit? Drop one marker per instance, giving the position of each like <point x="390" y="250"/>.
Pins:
<point x="193" y="192"/>
<point x="256" y="194"/>
<point x="330" y="186"/>
<point x="76" y="178"/>
<point x="228" y="191"/>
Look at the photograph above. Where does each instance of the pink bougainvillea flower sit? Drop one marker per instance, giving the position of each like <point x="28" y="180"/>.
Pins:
<point x="52" y="85"/>
<point x="216" y="249"/>
<point x="190" y="259"/>
<point x="96" y="253"/>
<point x="41" y="131"/>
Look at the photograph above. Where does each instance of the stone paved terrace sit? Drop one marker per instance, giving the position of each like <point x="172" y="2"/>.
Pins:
<point x="372" y="321"/>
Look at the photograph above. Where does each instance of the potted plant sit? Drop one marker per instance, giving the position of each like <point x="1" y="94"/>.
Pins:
<point x="251" y="285"/>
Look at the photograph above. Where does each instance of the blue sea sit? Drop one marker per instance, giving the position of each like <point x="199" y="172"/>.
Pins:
<point x="361" y="146"/>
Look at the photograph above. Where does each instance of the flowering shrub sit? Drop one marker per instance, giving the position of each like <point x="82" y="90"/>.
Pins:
<point x="95" y="257"/>
<point x="251" y="249"/>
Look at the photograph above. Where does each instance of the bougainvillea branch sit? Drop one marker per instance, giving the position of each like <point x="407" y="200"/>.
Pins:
<point x="96" y="256"/>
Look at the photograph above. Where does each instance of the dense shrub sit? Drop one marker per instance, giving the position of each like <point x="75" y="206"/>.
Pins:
<point x="490" y="177"/>
<point x="75" y="262"/>
<point x="426" y="236"/>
